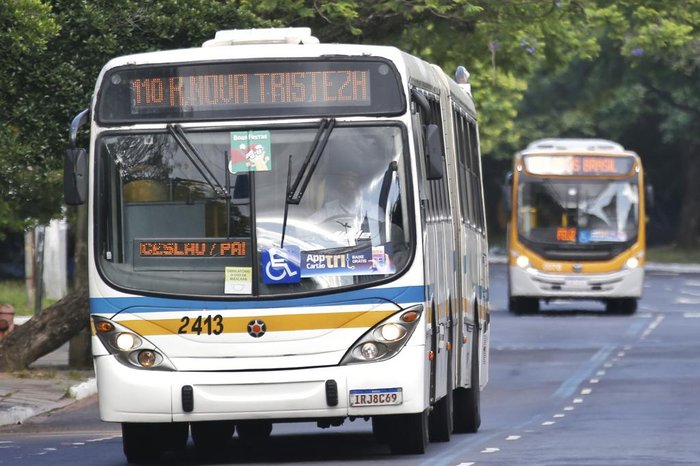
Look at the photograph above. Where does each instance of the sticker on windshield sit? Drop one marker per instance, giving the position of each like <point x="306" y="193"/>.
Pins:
<point x="251" y="151"/>
<point x="238" y="280"/>
<point x="368" y="260"/>
<point x="281" y="265"/>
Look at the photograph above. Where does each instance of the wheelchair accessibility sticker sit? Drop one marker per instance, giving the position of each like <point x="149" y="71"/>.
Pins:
<point x="281" y="265"/>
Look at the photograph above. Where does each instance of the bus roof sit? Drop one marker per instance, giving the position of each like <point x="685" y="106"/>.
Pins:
<point x="591" y="146"/>
<point x="277" y="43"/>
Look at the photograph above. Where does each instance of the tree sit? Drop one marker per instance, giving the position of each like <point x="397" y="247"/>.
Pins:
<point x="56" y="53"/>
<point x="641" y="90"/>
<point x="26" y="27"/>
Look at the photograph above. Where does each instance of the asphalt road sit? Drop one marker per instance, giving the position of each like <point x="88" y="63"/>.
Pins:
<point x="571" y="385"/>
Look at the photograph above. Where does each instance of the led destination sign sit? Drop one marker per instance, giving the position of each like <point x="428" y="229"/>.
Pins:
<point x="585" y="165"/>
<point x="349" y="87"/>
<point x="250" y="89"/>
<point x="192" y="248"/>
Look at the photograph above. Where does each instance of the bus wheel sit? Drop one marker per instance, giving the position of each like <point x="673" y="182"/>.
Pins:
<point x="523" y="305"/>
<point x="467" y="401"/>
<point x="254" y="431"/>
<point x="409" y="433"/>
<point x="144" y="443"/>
<point x="211" y="436"/>
<point x="441" y="417"/>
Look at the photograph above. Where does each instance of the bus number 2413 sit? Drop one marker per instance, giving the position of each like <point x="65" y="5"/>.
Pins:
<point x="198" y="325"/>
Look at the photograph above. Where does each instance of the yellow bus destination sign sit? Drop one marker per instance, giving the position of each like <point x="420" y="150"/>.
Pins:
<point x="250" y="89"/>
<point x="583" y="165"/>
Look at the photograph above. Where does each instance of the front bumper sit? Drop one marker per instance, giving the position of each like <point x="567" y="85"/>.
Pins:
<point x="136" y="395"/>
<point x="534" y="283"/>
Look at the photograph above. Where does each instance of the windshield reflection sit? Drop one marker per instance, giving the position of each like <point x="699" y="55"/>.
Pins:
<point x="350" y="226"/>
<point x="578" y="212"/>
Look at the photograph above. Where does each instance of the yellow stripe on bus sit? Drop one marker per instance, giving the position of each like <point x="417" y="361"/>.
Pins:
<point x="273" y="323"/>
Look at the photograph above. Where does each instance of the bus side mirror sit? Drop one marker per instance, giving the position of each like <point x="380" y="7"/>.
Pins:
<point x="433" y="153"/>
<point x="75" y="176"/>
<point x="507" y="192"/>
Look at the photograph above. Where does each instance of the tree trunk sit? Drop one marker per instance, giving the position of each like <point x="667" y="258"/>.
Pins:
<point x="79" y="350"/>
<point x="45" y="332"/>
<point x="689" y="222"/>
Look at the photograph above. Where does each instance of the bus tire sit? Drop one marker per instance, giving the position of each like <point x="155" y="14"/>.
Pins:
<point x="211" y="437"/>
<point x="467" y="401"/>
<point x="409" y="433"/>
<point x="442" y="415"/>
<point x="144" y="443"/>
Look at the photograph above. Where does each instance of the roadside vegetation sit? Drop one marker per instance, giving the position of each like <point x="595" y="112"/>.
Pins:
<point x="13" y="292"/>
<point x="673" y="254"/>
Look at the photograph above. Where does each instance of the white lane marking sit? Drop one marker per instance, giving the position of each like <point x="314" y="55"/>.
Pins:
<point x="569" y="408"/>
<point x="586" y="391"/>
<point x="102" y="439"/>
<point x="620" y="354"/>
<point x="684" y="300"/>
<point x="652" y="326"/>
<point x="466" y="464"/>
<point x="691" y="315"/>
<point x="578" y="400"/>
<point x="513" y="437"/>
<point x="490" y="450"/>
<point x="559" y="415"/>
<point x="600" y="373"/>
<point x="594" y="380"/>
<point x="691" y="282"/>
<point x="548" y="423"/>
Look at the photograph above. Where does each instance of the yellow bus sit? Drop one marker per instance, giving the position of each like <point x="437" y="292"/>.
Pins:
<point x="576" y="226"/>
<point x="283" y="230"/>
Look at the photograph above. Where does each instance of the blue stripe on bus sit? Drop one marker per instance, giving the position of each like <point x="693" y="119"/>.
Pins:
<point x="403" y="295"/>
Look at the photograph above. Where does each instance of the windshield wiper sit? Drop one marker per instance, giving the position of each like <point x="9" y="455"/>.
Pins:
<point x="191" y="152"/>
<point x="295" y="191"/>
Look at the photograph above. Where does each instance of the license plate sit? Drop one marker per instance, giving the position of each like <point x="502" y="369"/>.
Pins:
<point x="376" y="397"/>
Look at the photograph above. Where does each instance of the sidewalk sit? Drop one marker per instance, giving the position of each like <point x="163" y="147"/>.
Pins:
<point x="48" y="385"/>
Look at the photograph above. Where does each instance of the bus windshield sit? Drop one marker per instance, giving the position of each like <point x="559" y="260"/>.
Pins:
<point x="207" y="206"/>
<point x="577" y="211"/>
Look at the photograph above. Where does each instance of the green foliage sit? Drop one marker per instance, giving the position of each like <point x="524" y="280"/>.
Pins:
<point x="589" y="67"/>
<point x="26" y="27"/>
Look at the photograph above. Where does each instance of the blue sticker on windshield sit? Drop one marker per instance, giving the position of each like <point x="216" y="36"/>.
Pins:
<point x="281" y="265"/>
<point x="584" y="236"/>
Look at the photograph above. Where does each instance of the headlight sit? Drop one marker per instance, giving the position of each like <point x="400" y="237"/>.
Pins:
<point x="386" y="339"/>
<point x="632" y="263"/>
<point x="522" y="262"/>
<point x="128" y="347"/>
<point x="126" y="341"/>
<point x="391" y="332"/>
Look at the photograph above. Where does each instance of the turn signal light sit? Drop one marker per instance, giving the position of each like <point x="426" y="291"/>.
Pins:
<point x="103" y="326"/>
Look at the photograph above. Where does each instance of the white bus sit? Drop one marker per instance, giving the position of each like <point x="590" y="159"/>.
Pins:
<point x="283" y="230"/>
<point x="577" y="225"/>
